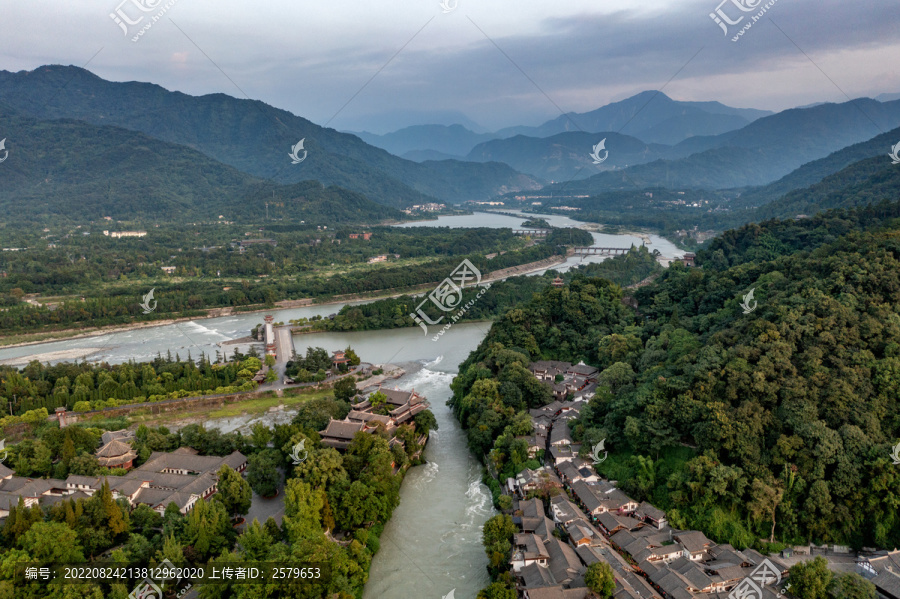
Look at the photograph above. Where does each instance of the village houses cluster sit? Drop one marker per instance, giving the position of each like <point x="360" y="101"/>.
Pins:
<point x="600" y="523"/>
<point x="591" y="520"/>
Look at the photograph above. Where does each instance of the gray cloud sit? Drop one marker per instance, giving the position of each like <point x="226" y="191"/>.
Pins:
<point x="312" y="59"/>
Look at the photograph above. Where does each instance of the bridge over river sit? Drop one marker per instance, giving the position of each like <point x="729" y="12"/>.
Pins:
<point x="599" y="251"/>
<point x="532" y="232"/>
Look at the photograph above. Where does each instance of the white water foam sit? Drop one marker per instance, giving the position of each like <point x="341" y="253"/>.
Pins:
<point x="204" y="330"/>
<point x="480" y="503"/>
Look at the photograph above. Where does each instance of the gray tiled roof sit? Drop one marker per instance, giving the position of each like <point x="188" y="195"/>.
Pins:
<point x="341" y="429"/>
<point x="535" y="576"/>
<point x="564" y="562"/>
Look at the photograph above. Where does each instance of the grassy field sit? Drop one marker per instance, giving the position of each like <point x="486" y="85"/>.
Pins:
<point x="262" y="404"/>
<point x="250" y="407"/>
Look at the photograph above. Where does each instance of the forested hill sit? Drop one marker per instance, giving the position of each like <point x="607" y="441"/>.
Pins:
<point x="871" y="180"/>
<point x="251" y="136"/>
<point x="866" y="182"/>
<point x="773" y="238"/>
<point x="813" y="172"/>
<point x="728" y="420"/>
<point x="85" y="172"/>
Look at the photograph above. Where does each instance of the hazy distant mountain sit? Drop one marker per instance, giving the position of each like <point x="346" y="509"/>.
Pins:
<point x="758" y="154"/>
<point x="423" y="155"/>
<point x="383" y="123"/>
<point x="453" y="140"/>
<point x="651" y="116"/>
<point x="655" y="118"/>
<point x="249" y="135"/>
<point x="566" y="156"/>
<point x="84" y="172"/>
<point x="887" y="97"/>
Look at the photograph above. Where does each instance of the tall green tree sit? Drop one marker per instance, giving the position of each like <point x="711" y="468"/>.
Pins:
<point x="234" y="493"/>
<point x="52" y="542"/>
<point x="853" y="586"/>
<point x="262" y="472"/>
<point x="599" y="578"/>
<point x="811" y="580"/>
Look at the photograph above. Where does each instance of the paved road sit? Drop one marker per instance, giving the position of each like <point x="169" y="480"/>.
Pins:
<point x="284" y="351"/>
<point x="284" y="344"/>
<point x="262" y="509"/>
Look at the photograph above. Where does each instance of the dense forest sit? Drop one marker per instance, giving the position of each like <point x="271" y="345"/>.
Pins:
<point x="82" y="387"/>
<point x="336" y="505"/>
<point x="109" y="286"/>
<point x="391" y="313"/>
<point x="775" y="424"/>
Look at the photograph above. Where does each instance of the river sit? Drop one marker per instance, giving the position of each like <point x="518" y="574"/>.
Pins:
<point x="205" y="335"/>
<point x="492" y="220"/>
<point x="141" y="345"/>
<point x="432" y="545"/>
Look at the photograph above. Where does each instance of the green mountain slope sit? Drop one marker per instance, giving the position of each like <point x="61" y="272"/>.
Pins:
<point x="865" y="182"/>
<point x="83" y="172"/>
<point x="248" y="135"/>
<point x="744" y="425"/>
<point x="815" y="171"/>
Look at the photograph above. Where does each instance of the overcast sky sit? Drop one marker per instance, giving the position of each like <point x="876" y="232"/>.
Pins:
<point x="494" y="62"/>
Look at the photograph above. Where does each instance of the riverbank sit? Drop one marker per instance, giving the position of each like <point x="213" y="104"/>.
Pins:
<point x="82" y="333"/>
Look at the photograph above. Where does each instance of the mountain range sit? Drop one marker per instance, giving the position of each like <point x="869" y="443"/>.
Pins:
<point x="86" y="147"/>
<point x="650" y="116"/>
<point x="75" y="170"/>
<point x="252" y="137"/>
<point x="758" y="154"/>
